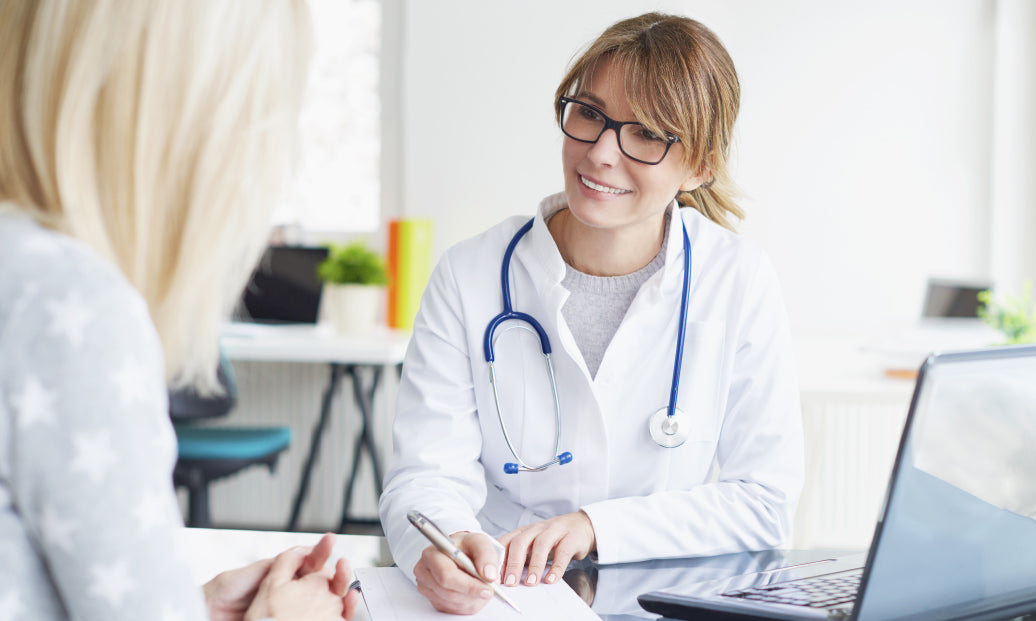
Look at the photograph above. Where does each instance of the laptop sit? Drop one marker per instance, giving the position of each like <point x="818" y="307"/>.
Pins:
<point x="284" y="288"/>
<point x="956" y="535"/>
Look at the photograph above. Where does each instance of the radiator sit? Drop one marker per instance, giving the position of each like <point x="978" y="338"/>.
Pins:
<point x="851" y="442"/>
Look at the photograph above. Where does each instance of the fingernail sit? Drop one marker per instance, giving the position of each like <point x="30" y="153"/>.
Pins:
<point x="531" y="580"/>
<point x="511" y="580"/>
<point x="489" y="571"/>
<point x="550" y="578"/>
<point x="485" y="594"/>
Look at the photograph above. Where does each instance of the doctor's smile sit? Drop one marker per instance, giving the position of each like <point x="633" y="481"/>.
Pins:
<point x="601" y="187"/>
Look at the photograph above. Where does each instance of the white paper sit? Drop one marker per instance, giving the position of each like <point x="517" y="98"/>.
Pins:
<point x="390" y="596"/>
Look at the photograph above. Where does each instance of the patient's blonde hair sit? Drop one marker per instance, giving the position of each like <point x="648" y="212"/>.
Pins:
<point x="158" y="132"/>
<point x="679" y="79"/>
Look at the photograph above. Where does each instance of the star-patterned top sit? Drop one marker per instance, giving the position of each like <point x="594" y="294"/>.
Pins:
<point x="87" y="510"/>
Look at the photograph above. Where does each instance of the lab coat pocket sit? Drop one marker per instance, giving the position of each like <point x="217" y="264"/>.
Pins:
<point x="703" y="376"/>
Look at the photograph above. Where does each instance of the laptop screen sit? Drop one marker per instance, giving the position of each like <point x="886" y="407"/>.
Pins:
<point x="959" y="528"/>
<point x="284" y="287"/>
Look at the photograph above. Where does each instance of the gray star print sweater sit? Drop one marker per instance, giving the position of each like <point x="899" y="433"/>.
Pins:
<point x="88" y="517"/>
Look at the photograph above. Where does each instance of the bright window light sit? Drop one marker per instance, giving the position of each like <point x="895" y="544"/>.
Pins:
<point x="336" y="186"/>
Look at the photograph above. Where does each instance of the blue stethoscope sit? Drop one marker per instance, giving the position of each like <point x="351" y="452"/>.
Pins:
<point x="668" y="426"/>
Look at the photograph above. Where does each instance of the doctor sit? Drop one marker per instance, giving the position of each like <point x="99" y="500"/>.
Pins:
<point x="666" y="422"/>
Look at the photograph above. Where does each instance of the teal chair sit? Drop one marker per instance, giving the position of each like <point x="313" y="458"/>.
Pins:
<point x="207" y="453"/>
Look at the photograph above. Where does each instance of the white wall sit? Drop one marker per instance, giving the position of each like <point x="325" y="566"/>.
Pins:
<point x="863" y="145"/>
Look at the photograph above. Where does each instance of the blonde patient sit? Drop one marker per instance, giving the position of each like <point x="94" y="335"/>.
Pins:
<point x="141" y="145"/>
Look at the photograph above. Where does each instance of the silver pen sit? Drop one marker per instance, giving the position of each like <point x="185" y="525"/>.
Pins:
<point x="445" y="545"/>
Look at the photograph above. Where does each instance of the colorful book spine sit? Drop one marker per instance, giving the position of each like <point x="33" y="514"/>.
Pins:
<point x="410" y="266"/>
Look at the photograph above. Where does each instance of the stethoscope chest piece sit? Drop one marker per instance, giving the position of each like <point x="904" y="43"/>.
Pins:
<point x="669" y="431"/>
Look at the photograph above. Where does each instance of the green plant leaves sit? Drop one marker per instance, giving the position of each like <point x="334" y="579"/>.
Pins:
<point x="352" y="264"/>
<point x="1015" y="317"/>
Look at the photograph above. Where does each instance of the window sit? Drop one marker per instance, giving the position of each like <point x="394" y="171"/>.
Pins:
<point x="336" y="186"/>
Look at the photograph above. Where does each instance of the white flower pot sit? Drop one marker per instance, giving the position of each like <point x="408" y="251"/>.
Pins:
<point x="352" y="308"/>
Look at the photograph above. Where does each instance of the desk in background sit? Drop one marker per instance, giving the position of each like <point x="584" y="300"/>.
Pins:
<point x="363" y="357"/>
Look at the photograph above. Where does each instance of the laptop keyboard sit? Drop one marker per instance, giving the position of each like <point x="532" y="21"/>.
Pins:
<point x="817" y="592"/>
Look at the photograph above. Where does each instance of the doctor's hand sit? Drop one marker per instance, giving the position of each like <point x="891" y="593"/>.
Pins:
<point x="562" y="538"/>
<point x="448" y="587"/>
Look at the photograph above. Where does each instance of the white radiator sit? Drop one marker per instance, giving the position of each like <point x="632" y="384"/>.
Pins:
<point x="851" y="442"/>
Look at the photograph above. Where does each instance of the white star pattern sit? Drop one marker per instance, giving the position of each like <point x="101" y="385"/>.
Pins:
<point x="34" y="404"/>
<point x="152" y="510"/>
<point x="93" y="455"/>
<point x="56" y="530"/>
<point x="69" y="318"/>
<point x="132" y="383"/>
<point x="111" y="582"/>
<point x="10" y="606"/>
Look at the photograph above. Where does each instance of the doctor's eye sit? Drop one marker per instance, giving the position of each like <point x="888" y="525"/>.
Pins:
<point x="589" y="113"/>
<point x="645" y="134"/>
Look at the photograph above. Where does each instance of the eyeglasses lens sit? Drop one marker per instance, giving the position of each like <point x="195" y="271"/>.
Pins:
<point x="586" y="124"/>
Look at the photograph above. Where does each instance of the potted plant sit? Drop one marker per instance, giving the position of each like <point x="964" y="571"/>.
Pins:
<point x="1015" y="317"/>
<point x="354" y="279"/>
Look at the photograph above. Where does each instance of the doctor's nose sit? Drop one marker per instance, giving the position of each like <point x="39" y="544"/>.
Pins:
<point x="606" y="150"/>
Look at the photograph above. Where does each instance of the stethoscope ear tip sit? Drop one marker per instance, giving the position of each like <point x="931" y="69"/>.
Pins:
<point x="510" y="468"/>
<point x="564" y="458"/>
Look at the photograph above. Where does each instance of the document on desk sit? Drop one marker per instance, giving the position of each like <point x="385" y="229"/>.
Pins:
<point x="390" y="596"/>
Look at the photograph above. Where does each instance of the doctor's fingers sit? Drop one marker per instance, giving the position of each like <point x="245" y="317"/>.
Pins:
<point x="482" y="551"/>
<point x="516" y="545"/>
<point x="560" y="540"/>
<point x="447" y="587"/>
<point x="566" y="536"/>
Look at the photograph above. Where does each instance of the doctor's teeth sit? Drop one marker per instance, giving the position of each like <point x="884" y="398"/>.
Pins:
<point x="601" y="188"/>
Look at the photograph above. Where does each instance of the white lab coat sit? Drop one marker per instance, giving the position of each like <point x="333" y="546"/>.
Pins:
<point x="732" y="486"/>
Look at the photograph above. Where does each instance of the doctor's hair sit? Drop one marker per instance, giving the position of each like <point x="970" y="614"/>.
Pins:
<point x="680" y="80"/>
<point x="158" y="133"/>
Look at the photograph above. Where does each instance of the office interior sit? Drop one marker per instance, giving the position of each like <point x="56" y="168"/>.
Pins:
<point x="881" y="146"/>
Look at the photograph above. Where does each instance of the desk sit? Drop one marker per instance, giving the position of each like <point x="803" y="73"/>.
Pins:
<point x="345" y="355"/>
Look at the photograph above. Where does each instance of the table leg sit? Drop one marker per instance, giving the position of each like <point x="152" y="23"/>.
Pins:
<point x="314" y="443"/>
<point x="365" y="403"/>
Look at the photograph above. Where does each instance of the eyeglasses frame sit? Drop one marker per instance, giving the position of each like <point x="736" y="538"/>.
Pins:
<point x="610" y="123"/>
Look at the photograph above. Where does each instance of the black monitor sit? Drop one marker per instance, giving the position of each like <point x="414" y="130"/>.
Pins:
<point x="284" y="288"/>
<point x="953" y="298"/>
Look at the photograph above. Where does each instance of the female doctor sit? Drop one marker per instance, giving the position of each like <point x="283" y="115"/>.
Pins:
<point x="665" y="421"/>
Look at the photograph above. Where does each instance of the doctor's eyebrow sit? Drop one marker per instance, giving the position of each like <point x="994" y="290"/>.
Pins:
<point x="591" y="98"/>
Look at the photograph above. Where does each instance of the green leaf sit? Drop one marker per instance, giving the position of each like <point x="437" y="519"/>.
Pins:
<point x="352" y="264"/>
<point x="1015" y="317"/>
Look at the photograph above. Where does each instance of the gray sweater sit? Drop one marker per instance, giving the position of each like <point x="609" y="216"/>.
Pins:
<point x="88" y="517"/>
<point x="596" y="305"/>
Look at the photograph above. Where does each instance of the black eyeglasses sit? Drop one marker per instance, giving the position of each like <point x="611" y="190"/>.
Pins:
<point x="586" y="123"/>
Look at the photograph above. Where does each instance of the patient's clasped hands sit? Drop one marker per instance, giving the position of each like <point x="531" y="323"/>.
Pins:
<point x="293" y="586"/>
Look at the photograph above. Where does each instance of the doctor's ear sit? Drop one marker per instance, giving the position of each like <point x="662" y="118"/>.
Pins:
<point x="703" y="177"/>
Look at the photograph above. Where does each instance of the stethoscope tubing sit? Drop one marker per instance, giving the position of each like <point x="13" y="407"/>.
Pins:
<point x="508" y="313"/>
<point x="674" y="390"/>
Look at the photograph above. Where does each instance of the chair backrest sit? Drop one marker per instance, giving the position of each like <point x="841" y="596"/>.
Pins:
<point x="186" y="404"/>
